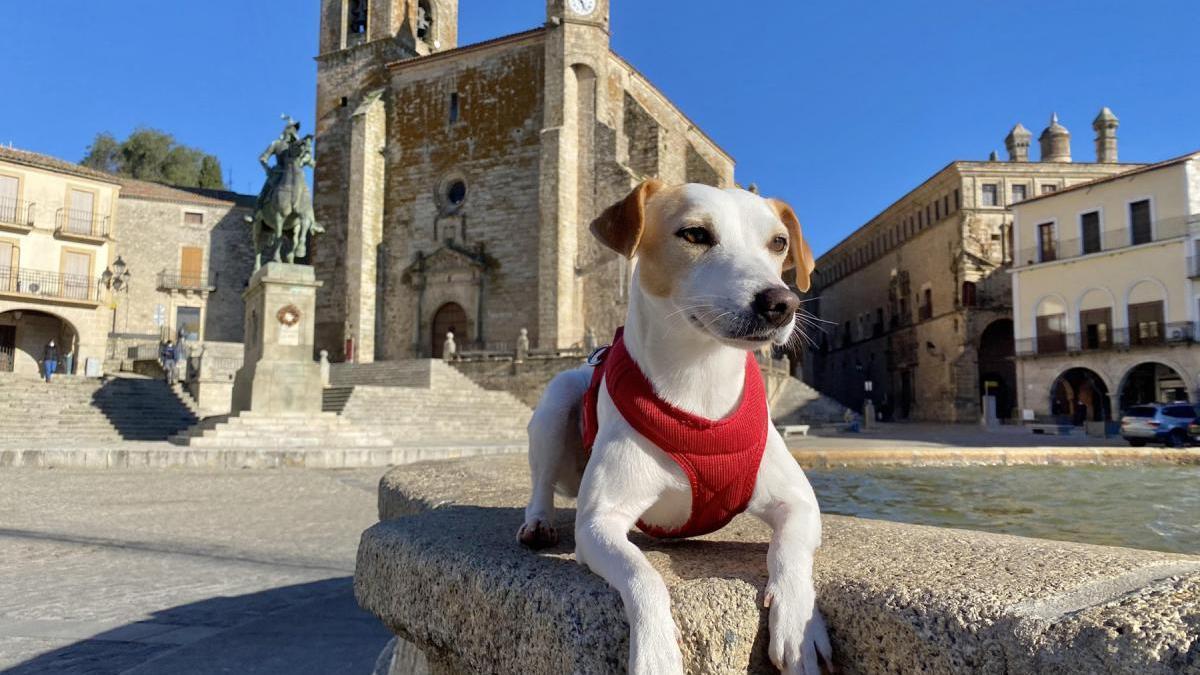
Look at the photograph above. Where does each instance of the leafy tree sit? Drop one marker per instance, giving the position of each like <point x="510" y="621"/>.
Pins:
<point x="153" y="155"/>
<point x="103" y="154"/>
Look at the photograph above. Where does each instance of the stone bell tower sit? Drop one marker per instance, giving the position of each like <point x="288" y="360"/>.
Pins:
<point x="576" y="61"/>
<point x="358" y="38"/>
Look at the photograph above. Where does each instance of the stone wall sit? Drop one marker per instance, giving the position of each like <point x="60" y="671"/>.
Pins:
<point x="526" y="380"/>
<point x="152" y="236"/>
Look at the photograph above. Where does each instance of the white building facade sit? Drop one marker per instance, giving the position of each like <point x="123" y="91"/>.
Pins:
<point x="1106" y="293"/>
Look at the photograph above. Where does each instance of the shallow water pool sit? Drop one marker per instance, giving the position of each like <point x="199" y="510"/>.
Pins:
<point x="1151" y="507"/>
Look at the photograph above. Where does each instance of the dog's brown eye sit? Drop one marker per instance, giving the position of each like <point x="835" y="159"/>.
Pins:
<point x="696" y="235"/>
<point x="779" y="244"/>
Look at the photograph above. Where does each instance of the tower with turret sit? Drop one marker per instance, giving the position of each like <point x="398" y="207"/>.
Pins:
<point x="1055" y="141"/>
<point x="1105" y="126"/>
<point x="1017" y="143"/>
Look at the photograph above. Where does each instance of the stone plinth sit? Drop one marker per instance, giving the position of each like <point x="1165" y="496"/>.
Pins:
<point x="444" y="572"/>
<point x="279" y="374"/>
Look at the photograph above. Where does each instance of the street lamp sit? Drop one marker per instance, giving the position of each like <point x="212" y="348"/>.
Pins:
<point x="116" y="279"/>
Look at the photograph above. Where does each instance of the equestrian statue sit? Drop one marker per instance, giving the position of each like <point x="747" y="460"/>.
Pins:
<point x="284" y="204"/>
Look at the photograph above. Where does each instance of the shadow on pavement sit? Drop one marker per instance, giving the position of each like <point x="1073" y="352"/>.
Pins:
<point x="315" y="627"/>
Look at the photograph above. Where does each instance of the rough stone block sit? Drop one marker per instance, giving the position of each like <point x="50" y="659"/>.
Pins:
<point x="444" y="571"/>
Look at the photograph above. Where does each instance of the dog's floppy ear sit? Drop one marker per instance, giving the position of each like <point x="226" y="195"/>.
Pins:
<point x="620" y="226"/>
<point x="799" y="255"/>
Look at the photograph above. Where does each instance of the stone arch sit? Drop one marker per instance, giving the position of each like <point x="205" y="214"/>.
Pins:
<point x="449" y="318"/>
<point x="1079" y="395"/>
<point x="1152" y="381"/>
<point x="1047" y="301"/>
<point x="1094" y="298"/>
<point x="997" y="371"/>
<point x="23" y="337"/>
<point x="1140" y="291"/>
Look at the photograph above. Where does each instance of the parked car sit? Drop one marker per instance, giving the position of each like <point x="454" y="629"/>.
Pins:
<point x="1166" y="423"/>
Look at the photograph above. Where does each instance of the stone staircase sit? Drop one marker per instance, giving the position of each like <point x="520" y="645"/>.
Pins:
<point x="80" y="410"/>
<point x="250" y="431"/>
<point x="795" y="402"/>
<point x="425" y="401"/>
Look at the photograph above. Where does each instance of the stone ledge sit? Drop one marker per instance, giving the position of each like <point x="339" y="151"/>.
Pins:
<point x="447" y="575"/>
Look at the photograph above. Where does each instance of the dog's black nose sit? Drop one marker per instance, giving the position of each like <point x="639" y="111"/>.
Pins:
<point x="776" y="305"/>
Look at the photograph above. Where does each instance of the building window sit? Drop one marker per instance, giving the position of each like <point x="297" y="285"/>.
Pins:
<point x="1046" y="248"/>
<point x="1052" y="333"/>
<point x="454" y="108"/>
<point x="81" y="212"/>
<point x="957" y="200"/>
<point x="77" y="275"/>
<point x="1018" y="193"/>
<point x="9" y="189"/>
<point x="1089" y="225"/>
<point x="937" y="211"/>
<point x="1145" y="322"/>
<point x="989" y="194"/>
<point x="946" y="204"/>
<point x="925" y="311"/>
<point x="1139" y="222"/>
<point x="191" y="267"/>
<point x="846" y="337"/>
<point x="357" y="17"/>
<point x="877" y="329"/>
<point x="1095" y="327"/>
<point x="1049" y="189"/>
<point x="424" y="20"/>
<point x="968" y="294"/>
<point x="928" y="214"/>
<point x="191" y="218"/>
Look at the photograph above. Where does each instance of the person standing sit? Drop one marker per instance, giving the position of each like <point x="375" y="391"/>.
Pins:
<point x="168" y="361"/>
<point x="50" y="360"/>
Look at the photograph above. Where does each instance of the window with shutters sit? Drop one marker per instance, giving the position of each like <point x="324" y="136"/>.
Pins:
<point x="1047" y="250"/>
<point x="1089" y="224"/>
<point x="1139" y="222"/>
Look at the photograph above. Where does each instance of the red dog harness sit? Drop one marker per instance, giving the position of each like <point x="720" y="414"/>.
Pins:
<point x="720" y="457"/>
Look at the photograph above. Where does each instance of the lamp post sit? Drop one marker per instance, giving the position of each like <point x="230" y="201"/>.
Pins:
<point x="116" y="280"/>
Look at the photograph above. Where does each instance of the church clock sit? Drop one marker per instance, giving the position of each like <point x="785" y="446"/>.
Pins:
<point x="582" y="7"/>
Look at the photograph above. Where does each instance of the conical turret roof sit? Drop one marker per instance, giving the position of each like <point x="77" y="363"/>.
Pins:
<point x="1055" y="129"/>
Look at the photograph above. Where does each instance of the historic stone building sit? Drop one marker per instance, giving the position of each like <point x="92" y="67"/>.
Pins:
<point x="457" y="183"/>
<point x="918" y="300"/>
<point x="105" y="264"/>
<point x="56" y="229"/>
<point x="1106" y="293"/>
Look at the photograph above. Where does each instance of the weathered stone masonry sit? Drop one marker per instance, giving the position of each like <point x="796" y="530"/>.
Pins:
<point x="457" y="184"/>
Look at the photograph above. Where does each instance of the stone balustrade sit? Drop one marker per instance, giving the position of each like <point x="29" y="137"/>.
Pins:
<point x="443" y="571"/>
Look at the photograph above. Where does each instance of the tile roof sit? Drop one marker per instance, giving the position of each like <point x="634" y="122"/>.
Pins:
<point x="132" y="188"/>
<point x="40" y="161"/>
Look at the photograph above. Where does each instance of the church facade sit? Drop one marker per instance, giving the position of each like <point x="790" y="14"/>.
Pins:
<point x="457" y="183"/>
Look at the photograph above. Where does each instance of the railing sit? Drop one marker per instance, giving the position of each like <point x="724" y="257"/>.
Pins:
<point x="1112" y="240"/>
<point x="54" y="285"/>
<point x="76" y="221"/>
<point x="16" y="212"/>
<point x="1153" y="334"/>
<point x="8" y="357"/>
<point x="186" y="282"/>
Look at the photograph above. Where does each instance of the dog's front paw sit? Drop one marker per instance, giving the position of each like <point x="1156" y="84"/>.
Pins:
<point x="798" y="632"/>
<point x="655" y="650"/>
<point x="537" y="533"/>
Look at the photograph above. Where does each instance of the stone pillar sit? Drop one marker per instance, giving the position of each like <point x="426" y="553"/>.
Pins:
<point x="364" y="227"/>
<point x="279" y="375"/>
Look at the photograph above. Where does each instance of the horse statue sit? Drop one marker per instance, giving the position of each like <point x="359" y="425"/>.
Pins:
<point x="284" y="204"/>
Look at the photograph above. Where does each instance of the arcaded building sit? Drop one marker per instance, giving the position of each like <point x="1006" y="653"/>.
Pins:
<point x="457" y="183"/>
<point x="919" y="300"/>
<point x="1106" y="293"/>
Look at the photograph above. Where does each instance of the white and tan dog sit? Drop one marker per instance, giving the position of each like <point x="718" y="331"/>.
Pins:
<point x="706" y="289"/>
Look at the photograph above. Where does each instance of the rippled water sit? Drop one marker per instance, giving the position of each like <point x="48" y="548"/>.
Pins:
<point x="1154" y="507"/>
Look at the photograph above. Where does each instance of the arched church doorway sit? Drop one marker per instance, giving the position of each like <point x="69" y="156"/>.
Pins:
<point x="449" y="318"/>
<point x="997" y="372"/>
<point x="1152" y="382"/>
<point x="1079" y="395"/>
<point x="24" y="334"/>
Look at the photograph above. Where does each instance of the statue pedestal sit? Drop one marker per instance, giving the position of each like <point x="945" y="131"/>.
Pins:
<point x="279" y="374"/>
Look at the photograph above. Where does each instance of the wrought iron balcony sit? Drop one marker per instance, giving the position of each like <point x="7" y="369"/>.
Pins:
<point x="16" y="212"/>
<point x="49" y="285"/>
<point x="80" y="223"/>
<point x="1111" y="240"/>
<point x="1152" y="334"/>
<point x="179" y="281"/>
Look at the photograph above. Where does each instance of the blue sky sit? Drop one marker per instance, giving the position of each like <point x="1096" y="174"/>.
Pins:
<point x="838" y="107"/>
